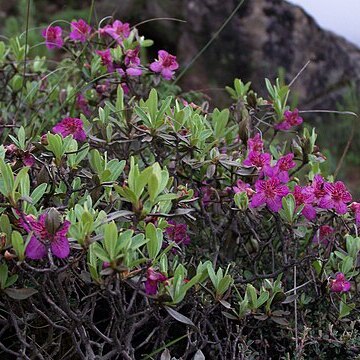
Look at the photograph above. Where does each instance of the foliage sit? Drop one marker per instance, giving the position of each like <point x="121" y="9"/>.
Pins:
<point x="136" y="225"/>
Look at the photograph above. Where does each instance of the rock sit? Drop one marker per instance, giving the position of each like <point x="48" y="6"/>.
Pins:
<point x="262" y="36"/>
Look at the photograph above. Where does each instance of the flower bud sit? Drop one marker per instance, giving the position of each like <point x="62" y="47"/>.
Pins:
<point x="52" y="221"/>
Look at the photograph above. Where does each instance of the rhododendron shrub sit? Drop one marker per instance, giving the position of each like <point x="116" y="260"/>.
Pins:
<point x="137" y="224"/>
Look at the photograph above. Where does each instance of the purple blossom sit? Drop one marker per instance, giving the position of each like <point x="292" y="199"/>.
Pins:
<point x="340" y="284"/>
<point x="257" y="159"/>
<point x="53" y="37"/>
<point x="280" y="170"/>
<point x="80" y="30"/>
<point x="355" y="208"/>
<point x="318" y="186"/>
<point x="291" y="119"/>
<point x="241" y="187"/>
<point x="177" y="232"/>
<point x="336" y="197"/>
<point x="58" y="242"/>
<point x="323" y="235"/>
<point x="118" y="30"/>
<point x="153" y="278"/>
<point x="255" y="143"/>
<point x="71" y="126"/>
<point x="305" y="196"/>
<point x="269" y="192"/>
<point x="165" y="65"/>
<point x="132" y="62"/>
<point x="106" y="59"/>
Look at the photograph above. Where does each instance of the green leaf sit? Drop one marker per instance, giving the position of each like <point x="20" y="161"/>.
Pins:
<point x="155" y="237"/>
<point x="152" y="104"/>
<point x="251" y="291"/>
<point x="111" y="239"/>
<point x="38" y="193"/>
<point x="3" y="275"/>
<point x="18" y="244"/>
<point x="154" y="186"/>
<point x="7" y="184"/>
<point x="100" y="252"/>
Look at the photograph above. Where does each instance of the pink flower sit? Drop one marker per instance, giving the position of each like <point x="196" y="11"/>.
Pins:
<point x="165" y="65"/>
<point x="241" y="187"/>
<point x="132" y="62"/>
<point x="255" y="143"/>
<point x="53" y="37"/>
<point x="291" y="118"/>
<point x="283" y="165"/>
<point x="106" y="59"/>
<point x="80" y="30"/>
<point x="340" y="284"/>
<point x="153" y="279"/>
<point x="269" y="192"/>
<point x="318" y="186"/>
<point x="323" y="235"/>
<point x="336" y="197"/>
<point x="177" y="232"/>
<point x="257" y="159"/>
<point x="58" y="242"/>
<point x="305" y="196"/>
<point x="355" y="208"/>
<point x="71" y="126"/>
<point x="118" y="31"/>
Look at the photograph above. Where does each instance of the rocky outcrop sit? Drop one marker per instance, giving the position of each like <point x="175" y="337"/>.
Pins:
<point x="263" y="36"/>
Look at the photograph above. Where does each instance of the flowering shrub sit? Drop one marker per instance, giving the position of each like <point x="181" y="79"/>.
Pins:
<point x="121" y="206"/>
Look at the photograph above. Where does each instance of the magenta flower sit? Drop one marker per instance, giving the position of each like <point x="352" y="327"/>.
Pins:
<point x="318" y="186"/>
<point x="291" y="119"/>
<point x="177" y="232"/>
<point x="241" y="187"/>
<point x="80" y="30"/>
<point x="118" y="31"/>
<point x="255" y="143"/>
<point x="305" y="196"/>
<point x="340" y="284"/>
<point x="355" y="208"/>
<point x="280" y="170"/>
<point x="269" y="192"/>
<point x="336" y="197"/>
<point x="70" y="126"/>
<point x="106" y="59"/>
<point x="37" y="246"/>
<point x="132" y="62"/>
<point x="323" y="235"/>
<point x="53" y="37"/>
<point x="257" y="159"/>
<point x="165" y="65"/>
<point x="153" y="278"/>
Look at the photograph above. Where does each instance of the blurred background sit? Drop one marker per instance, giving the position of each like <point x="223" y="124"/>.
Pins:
<point x="263" y="38"/>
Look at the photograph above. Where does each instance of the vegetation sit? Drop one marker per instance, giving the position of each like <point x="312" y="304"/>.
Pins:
<point x="136" y="224"/>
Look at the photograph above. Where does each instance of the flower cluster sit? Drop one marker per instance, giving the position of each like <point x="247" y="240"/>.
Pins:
<point x="128" y="64"/>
